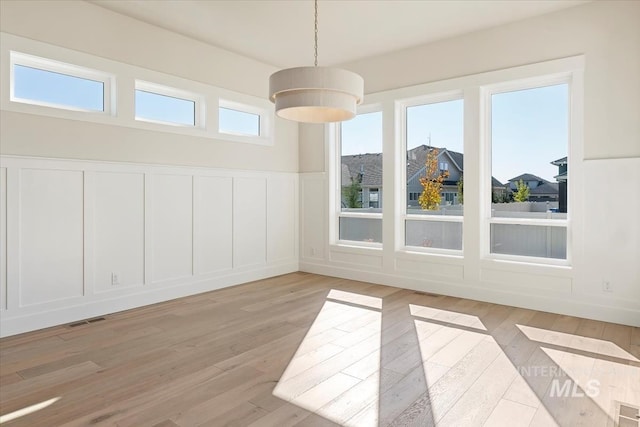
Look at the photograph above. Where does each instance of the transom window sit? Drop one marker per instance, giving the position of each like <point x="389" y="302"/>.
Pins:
<point x="243" y="122"/>
<point x="238" y="122"/>
<point x="48" y="83"/>
<point x="166" y="105"/>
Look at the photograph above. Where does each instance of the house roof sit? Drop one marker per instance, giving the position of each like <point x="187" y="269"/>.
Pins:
<point x="545" y="188"/>
<point x="560" y="162"/>
<point x="527" y="177"/>
<point x="417" y="156"/>
<point x="561" y="177"/>
<point x="370" y="165"/>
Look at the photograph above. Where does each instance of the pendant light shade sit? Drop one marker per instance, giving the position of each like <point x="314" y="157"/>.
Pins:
<point x="316" y="94"/>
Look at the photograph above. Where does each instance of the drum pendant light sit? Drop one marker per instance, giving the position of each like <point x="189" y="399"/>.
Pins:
<point x="316" y="94"/>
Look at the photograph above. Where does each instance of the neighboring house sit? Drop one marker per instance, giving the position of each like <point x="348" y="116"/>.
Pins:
<point x="367" y="169"/>
<point x="540" y="190"/>
<point x="562" y="183"/>
<point x="448" y="160"/>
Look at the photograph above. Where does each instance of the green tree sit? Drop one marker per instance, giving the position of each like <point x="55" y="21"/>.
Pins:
<point x="461" y="190"/>
<point x="522" y="192"/>
<point x="432" y="182"/>
<point x="352" y="194"/>
<point x="500" y="196"/>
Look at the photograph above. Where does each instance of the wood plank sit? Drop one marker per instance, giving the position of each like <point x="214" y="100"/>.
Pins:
<point x="279" y="352"/>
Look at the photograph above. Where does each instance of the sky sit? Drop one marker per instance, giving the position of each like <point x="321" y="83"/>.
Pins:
<point x="56" y="88"/>
<point x="529" y="130"/>
<point x="61" y="89"/>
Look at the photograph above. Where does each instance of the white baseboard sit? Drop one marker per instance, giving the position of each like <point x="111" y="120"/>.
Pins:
<point x="574" y="307"/>
<point x="45" y="319"/>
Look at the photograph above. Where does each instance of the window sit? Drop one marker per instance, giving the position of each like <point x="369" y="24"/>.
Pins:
<point x="48" y="83"/>
<point x="449" y="198"/>
<point x="434" y="171"/>
<point x="374" y="198"/>
<point x="488" y="135"/>
<point x="238" y="122"/>
<point x="360" y="178"/>
<point x="529" y="165"/>
<point x="149" y="100"/>
<point x="166" y="105"/>
<point x="243" y="122"/>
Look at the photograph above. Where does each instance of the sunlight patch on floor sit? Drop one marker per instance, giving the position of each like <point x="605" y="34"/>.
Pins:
<point x="336" y="369"/>
<point x="359" y="299"/>
<point x="460" y="319"/>
<point x="576" y="342"/>
<point x="28" y="410"/>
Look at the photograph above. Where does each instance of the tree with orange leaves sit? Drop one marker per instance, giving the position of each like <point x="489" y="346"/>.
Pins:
<point x="432" y="182"/>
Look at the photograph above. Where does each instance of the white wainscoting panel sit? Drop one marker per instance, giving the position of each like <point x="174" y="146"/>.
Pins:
<point x="281" y="213"/>
<point x="172" y="211"/>
<point x="526" y="282"/>
<point x="250" y="221"/>
<point x="611" y="228"/>
<point x="118" y="216"/>
<point x="437" y="270"/>
<point x="67" y="226"/>
<point x="313" y="231"/>
<point x="366" y="261"/>
<point x="214" y="232"/>
<point x="51" y="235"/>
<point x="3" y="239"/>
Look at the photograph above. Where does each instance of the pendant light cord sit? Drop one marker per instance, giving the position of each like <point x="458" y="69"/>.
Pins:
<point x="316" y="35"/>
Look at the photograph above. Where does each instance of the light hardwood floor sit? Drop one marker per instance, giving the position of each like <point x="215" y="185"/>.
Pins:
<point x="309" y="350"/>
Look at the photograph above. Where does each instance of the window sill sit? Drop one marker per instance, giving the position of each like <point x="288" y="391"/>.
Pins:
<point x="528" y="265"/>
<point x="364" y="248"/>
<point x="443" y="256"/>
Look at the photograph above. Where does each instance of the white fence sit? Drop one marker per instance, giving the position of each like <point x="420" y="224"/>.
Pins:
<point x="513" y="239"/>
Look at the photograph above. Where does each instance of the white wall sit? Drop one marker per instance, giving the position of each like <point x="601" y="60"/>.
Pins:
<point x="85" y="27"/>
<point x="165" y="231"/>
<point x="171" y="214"/>
<point x="607" y="242"/>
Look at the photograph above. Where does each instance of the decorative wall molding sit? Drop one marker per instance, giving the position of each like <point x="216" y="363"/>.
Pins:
<point x="88" y="238"/>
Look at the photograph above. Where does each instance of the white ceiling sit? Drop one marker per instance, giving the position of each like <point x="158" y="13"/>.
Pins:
<point x="281" y="32"/>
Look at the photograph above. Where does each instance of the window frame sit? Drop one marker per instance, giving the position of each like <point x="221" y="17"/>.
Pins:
<point x="473" y="263"/>
<point x="199" y="103"/>
<point x="67" y="69"/>
<point x="119" y="93"/>
<point x="486" y="93"/>
<point x="401" y="119"/>
<point x="335" y="143"/>
<point x="265" y="122"/>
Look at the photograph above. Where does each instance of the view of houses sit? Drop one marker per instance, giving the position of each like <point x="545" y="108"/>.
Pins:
<point x="364" y="173"/>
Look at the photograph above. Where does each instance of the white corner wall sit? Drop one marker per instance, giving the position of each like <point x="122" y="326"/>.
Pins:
<point x="167" y="214"/>
<point x="608" y="35"/>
